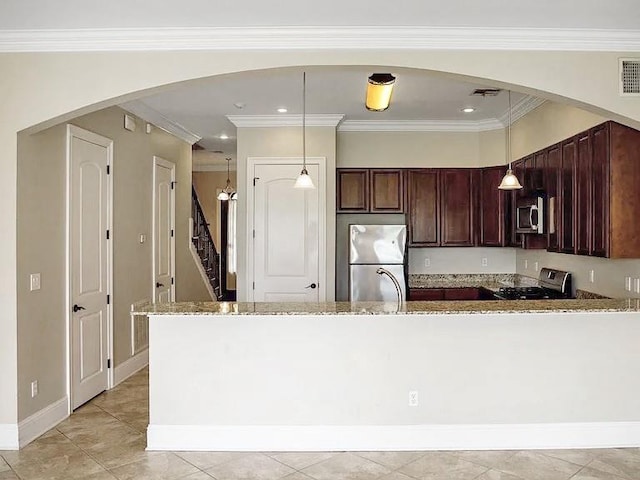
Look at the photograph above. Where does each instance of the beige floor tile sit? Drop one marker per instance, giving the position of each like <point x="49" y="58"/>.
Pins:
<point x="624" y="462"/>
<point x="297" y="476"/>
<point x="4" y="466"/>
<point x="391" y="460"/>
<point x="66" y="467"/>
<point x="487" y="458"/>
<point x="114" y="454"/>
<point x="254" y="466"/>
<point x="577" y="456"/>
<point x="591" y="474"/>
<point x="8" y="475"/>
<point x="162" y="466"/>
<point x="498" y="475"/>
<point x="442" y="466"/>
<point x="300" y="460"/>
<point x="533" y="465"/>
<point x="48" y="447"/>
<point x="197" y="476"/>
<point x="204" y="460"/>
<point x="346" y="466"/>
<point x="395" y="476"/>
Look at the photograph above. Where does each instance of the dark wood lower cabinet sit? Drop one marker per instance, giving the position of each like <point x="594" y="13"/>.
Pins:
<point x="461" y="293"/>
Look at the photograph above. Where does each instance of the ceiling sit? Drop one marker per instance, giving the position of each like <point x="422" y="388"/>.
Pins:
<point x="202" y="107"/>
<point x="588" y="14"/>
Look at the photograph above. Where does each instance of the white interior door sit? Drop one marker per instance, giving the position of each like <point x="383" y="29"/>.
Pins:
<point x="287" y="256"/>
<point x="163" y="231"/>
<point x="89" y="205"/>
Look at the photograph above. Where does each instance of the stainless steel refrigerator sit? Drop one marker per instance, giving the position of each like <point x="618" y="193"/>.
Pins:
<point x="372" y="247"/>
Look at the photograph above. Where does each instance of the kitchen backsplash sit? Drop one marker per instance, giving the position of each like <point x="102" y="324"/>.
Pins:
<point x="449" y="260"/>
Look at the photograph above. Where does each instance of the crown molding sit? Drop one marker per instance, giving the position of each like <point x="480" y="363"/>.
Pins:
<point x="144" y="111"/>
<point x="520" y="109"/>
<point x="419" y="126"/>
<point x="320" y="37"/>
<point x="292" y="120"/>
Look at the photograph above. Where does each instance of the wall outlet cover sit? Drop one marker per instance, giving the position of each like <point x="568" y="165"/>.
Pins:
<point x="34" y="281"/>
<point x="427" y="262"/>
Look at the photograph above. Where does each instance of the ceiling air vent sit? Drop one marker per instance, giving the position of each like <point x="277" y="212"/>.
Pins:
<point x="486" y="92"/>
<point x="630" y="77"/>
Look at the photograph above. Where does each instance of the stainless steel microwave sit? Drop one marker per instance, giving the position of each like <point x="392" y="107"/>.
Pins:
<point x="530" y="215"/>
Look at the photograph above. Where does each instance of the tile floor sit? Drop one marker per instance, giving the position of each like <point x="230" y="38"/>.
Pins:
<point x="105" y="439"/>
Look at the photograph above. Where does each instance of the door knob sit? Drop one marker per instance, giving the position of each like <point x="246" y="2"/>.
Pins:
<point x="158" y="285"/>
<point x="313" y="285"/>
<point x="77" y="308"/>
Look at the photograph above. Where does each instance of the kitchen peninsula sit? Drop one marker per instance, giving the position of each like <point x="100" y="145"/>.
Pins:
<point x="372" y="376"/>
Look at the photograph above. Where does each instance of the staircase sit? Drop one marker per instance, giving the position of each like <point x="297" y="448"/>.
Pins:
<point x="203" y="243"/>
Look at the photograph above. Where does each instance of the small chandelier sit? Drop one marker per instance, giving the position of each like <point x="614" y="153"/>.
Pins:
<point x="227" y="193"/>
<point x="304" y="180"/>
<point x="509" y="181"/>
<point x="379" y="88"/>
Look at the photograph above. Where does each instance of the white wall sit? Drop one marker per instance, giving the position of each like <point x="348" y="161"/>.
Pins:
<point x="534" y="375"/>
<point x="462" y="260"/>
<point x="53" y="87"/>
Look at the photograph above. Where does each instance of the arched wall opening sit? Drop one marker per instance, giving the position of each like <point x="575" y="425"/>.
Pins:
<point x="47" y="89"/>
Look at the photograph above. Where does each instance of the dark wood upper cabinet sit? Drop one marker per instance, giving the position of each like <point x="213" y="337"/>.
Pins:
<point x="423" y="207"/>
<point x="600" y="191"/>
<point x="386" y="191"/>
<point x="583" y="194"/>
<point x="457" y="207"/>
<point x="493" y="208"/>
<point x="352" y="190"/>
<point x="553" y="190"/>
<point x="567" y="181"/>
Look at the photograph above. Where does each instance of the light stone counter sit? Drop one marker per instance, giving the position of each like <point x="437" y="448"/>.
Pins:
<point x="381" y="308"/>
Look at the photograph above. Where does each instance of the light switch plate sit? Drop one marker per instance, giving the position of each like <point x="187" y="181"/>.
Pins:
<point x="485" y="261"/>
<point x="427" y="262"/>
<point x="35" y="281"/>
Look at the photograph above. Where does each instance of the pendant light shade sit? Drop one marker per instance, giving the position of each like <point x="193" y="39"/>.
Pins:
<point x="227" y="193"/>
<point x="379" y="89"/>
<point x="304" y="180"/>
<point x="509" y="181"/>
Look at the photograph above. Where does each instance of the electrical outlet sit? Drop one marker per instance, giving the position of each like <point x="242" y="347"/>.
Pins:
<point x="636" y="285"/>
<point x="143" y="238"/>
<point x="535" y="266"/>
<point x="427" y="262"/>
<point x="627" y="284"/>
<point x="485" y="261"/>
<point x="592" y="276"/>
<point x="526" y="264"/>
<point x="413" y="398"/>
<point x="34" y="388"/>
<point x="35" y="281"/>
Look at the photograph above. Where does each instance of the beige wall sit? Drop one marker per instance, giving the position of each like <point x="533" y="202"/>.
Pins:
<point x="285" y="142"/>
<point x="53" y="87"/>
<point x="41" y="243"/>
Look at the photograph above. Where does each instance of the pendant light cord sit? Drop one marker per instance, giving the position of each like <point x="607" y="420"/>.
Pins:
<point x="304" y="125"/>
<point x="509" y="133"/>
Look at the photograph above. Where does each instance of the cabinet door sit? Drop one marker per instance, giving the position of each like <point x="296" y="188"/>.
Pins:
<point x="600" y="191"/>
<point x="456" y="201"/>
<point x="552" y="187"/>
<point x="583" y="194"/>
<point x="424" y="208"/>
<point x="492" y="208"/>
<point x="463" y="293"/>
<point x="386" y="192"/>
<point x="425" y="294"/>
<point x="352" y="190"/>
<point x="567" y="173"/>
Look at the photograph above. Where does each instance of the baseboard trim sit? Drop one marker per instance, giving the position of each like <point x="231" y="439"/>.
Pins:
<point x="9" y="436"/>
<point x="130" y="366"/>
<point x="393" y="437"/>
<point x="43" y="420"/>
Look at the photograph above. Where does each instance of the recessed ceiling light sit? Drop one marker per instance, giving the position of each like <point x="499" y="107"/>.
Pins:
<point x="224" y="136"/>
<point x="468" y="110"/>
<point x="282" y="110"/>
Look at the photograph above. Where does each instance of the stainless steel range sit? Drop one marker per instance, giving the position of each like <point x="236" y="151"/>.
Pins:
<point x="553" y="284"/>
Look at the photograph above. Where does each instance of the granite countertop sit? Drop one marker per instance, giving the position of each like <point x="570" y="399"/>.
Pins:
<point x="382" y="308"/>
<point x="489" y="281"/>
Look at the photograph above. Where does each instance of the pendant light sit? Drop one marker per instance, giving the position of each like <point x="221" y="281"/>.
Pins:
<point x="304" y="180"/>
<point x="227" y="193"/>
<point x="509" y="181"/>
